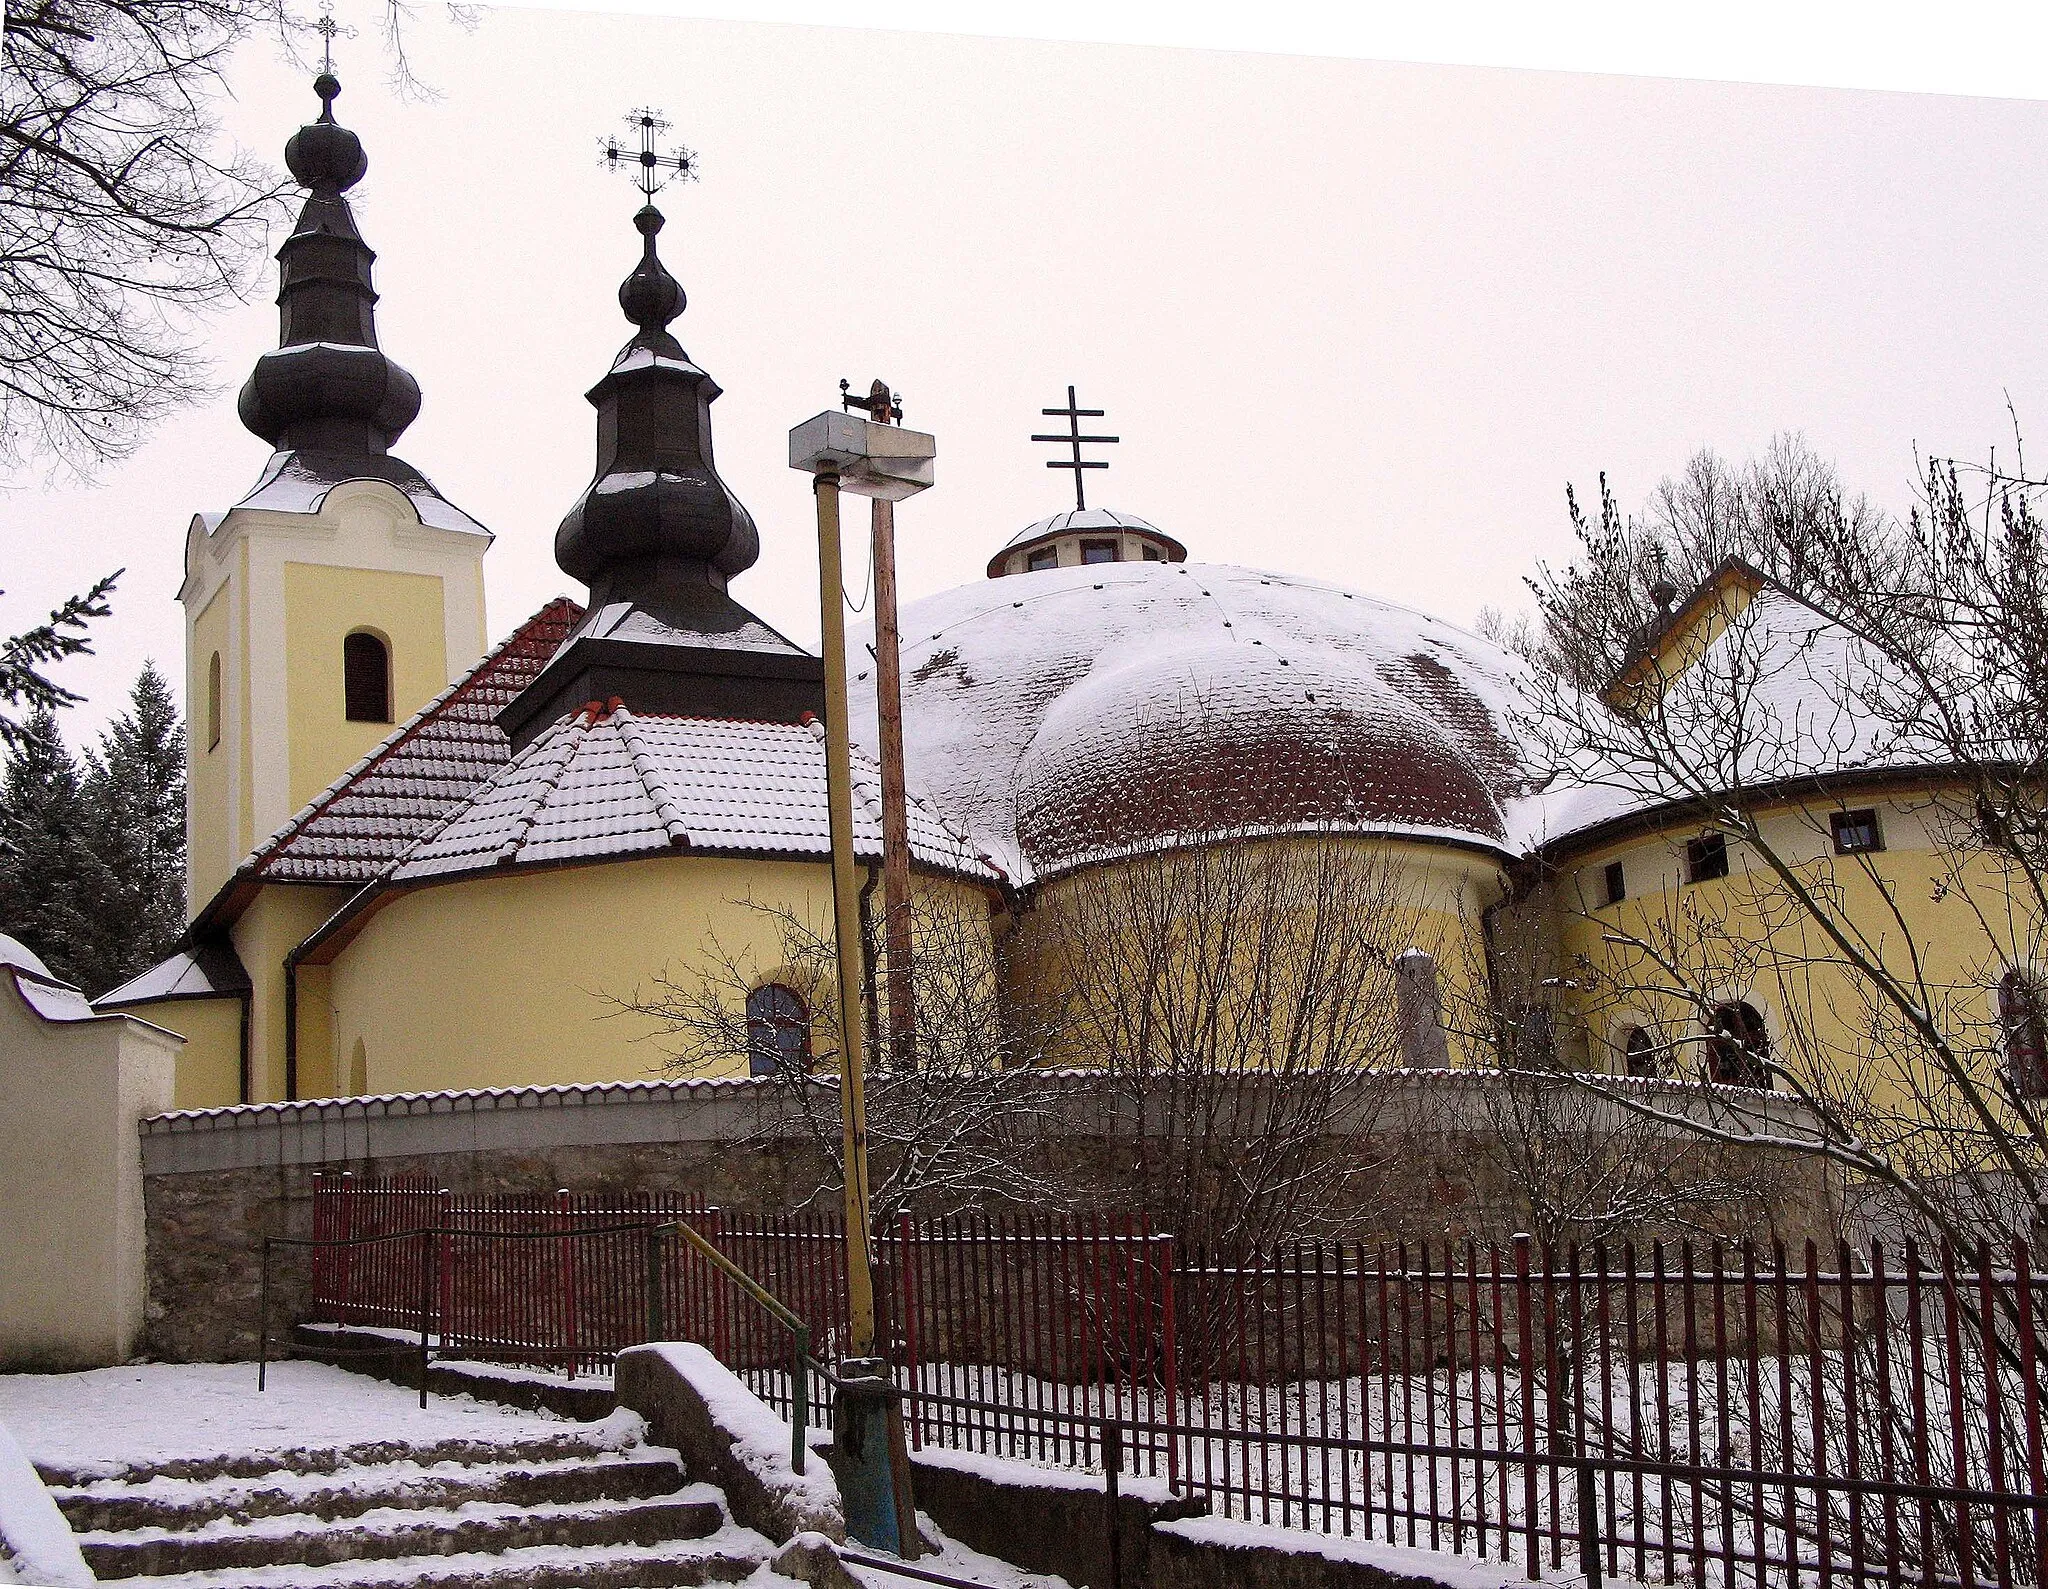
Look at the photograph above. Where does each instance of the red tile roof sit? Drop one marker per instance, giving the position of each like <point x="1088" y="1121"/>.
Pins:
<point x="373" y="812"/>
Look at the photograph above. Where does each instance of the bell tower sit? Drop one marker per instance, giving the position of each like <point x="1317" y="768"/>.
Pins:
<point x="343" y="592"/>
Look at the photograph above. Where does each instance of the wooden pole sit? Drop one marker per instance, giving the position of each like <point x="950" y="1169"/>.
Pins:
<point x="860" y="1284"/>
<point x="895" y="803"/>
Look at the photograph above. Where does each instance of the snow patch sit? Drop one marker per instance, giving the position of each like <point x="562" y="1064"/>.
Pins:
<point x="760" y="1440"/>
<point x="107" y="1420"/>
<point x="36" y="1544"/>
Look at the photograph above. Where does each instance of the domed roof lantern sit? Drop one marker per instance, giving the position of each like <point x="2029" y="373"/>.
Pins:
<point x="1082" y="534"/>
<point x="327" y="388"/>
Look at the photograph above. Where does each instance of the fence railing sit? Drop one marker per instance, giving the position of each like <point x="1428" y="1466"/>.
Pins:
<point x="1748" y="1416"/>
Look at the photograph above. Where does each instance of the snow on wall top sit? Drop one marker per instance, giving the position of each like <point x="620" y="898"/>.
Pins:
<point x="13" y="952"/>
<point x="1056" y="717"/>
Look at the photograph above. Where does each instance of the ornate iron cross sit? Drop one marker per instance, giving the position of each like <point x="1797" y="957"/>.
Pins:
<point x="651" y="170"/>
<point x="1073" y="414"/>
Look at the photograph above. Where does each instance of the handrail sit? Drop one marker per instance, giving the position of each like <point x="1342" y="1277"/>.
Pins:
<point x="802" y="1368"/>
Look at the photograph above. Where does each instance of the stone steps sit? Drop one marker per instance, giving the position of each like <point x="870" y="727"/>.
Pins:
<point x="545" y="1567"/>
<point x="590" y="1507"/>
<point x="477" y="1527"/>
<point x="168" y="1503"/>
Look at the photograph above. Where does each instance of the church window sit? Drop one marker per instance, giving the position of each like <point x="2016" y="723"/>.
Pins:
<point x="1639" y="1053"/>
<point x="366" y="678"/>
<point x="1616" y="881"/>
<point x="2020" y="1012"/>
<point x="1044" y="557"/>
<point x="1153" y="554"/>
<point x="1098" y="552"/>
<point x="1706" y="857"/>
<point x="1738" y="1047"/>
<point x="1856" y="832"/>
<point x="778" y="1031"/>
<point x="213" y="702"/>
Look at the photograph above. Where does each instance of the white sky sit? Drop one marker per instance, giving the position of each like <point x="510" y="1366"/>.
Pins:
<point x="1353" y="319"/>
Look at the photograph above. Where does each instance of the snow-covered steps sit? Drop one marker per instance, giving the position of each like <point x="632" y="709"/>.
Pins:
<point x="710" y="1561"/>
<point x="185" y="1504"/>
<point x="587" y="1505"/>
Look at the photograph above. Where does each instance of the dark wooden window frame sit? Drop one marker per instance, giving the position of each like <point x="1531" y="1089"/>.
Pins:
<point x="1844" y="825"/>
<point x="366" y="677"/>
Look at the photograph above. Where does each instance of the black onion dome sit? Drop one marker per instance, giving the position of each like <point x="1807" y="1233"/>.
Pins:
<point x="656" y="514"/>
<point x="327" y="387"/>
<point x="323" y="154"/>
<point x="650" y="296"/>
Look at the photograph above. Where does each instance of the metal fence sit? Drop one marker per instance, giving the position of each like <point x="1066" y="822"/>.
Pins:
<point x="1743" y="1416"/>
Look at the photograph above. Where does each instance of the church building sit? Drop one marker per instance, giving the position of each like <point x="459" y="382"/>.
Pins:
<point x="420" y="861"/>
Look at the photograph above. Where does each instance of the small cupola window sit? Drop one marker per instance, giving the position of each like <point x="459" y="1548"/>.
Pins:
<point x="366" y="678"/>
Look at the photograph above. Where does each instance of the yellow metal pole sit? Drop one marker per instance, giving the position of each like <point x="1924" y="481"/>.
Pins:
<point x="860" y="1283"/>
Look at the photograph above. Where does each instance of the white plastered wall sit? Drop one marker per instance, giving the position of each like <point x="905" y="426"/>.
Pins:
<point x="73" y="1278"/>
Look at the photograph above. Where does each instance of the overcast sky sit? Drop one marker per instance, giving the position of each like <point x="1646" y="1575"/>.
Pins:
<point x="1359" y="321"/>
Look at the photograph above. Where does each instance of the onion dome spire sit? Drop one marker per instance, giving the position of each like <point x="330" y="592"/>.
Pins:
<point x="656" y="519"/>
<point x="656" y="534"/>
<point x="327" y="388"/>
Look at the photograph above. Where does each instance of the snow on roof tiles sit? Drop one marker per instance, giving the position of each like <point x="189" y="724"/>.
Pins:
<point x="372" y="813"/>
<point x="1017" y="691"/>
<point x="620" y="783"/>
<point x="1807" y="685"/>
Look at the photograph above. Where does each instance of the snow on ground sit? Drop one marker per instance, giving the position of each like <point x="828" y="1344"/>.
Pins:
<point x="956" y="1560"/>
<point x="108" y="1418"/>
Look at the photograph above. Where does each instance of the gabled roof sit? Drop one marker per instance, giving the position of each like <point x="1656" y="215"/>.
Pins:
<point x="606" y="783"/>
<point x="352" y="830"/>
<point x="1820" y="709"/>
<point x="203" y="971"/>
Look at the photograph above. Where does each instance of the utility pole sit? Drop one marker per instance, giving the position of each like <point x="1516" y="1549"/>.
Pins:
<point x="882" y="407"/>
<point x="874" y="460"/>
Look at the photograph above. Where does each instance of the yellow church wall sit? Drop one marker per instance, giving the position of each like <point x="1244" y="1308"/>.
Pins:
<point x="1430" y="897"/>
<point x="277" y="921"/>
<point x="1756" y="947"/>
<point x="208" y="812"/>
<point x="323" y="604"/>
<point x="503" y="980"/>
<point x="209" y="1066"/>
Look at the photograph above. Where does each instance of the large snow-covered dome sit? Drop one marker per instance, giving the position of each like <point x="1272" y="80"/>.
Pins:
<point x="1101" y="710"/>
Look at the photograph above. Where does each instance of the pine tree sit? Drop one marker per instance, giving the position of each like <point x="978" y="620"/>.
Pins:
<point x="51" y="884"/>
<point x="134" y="788"/>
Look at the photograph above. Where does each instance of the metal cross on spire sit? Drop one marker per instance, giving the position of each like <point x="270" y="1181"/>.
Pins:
<point x="327" y="27"/>
<point x="651" y="170"/>
<point x="1073" y="414"/>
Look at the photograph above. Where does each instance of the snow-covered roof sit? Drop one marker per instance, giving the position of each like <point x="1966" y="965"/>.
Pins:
<point x="297" y="481"/>
<point x="208" y="971"/>
<point x="1063" y="715"/>
<point x="619" y="783"/>
<point x="1080" y="521"/>
<point x="1809" y="690"/>
<point x="354" y="828"/>
<point x="1084" y="521"/>
<point x="13" y="952"/>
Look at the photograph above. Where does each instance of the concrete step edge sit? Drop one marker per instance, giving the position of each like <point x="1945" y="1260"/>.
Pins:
<point x="182" y="1504"/>
<point x="478" y="1527"/>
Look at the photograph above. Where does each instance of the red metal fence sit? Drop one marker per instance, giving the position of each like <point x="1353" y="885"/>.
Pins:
<point x="1751" y="1417"/>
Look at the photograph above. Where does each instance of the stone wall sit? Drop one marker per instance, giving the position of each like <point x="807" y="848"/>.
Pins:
<point x="218" y="1181"/>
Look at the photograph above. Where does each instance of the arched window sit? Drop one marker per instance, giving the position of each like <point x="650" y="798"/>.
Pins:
<point x="366" y="678"/>
<point x="1738" y="1047"/>
<point x="213" y="702"/>
<point x="2021" y="1013"/>
<point x="1639" y="1053"/>
<point x="778" y="1031"/>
